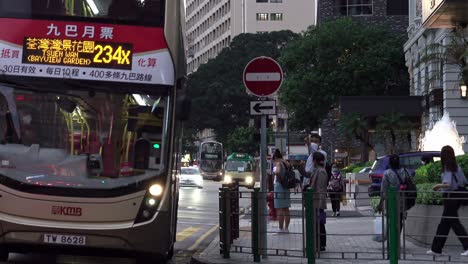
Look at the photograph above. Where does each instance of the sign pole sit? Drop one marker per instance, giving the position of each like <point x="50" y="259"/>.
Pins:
<point x="263" y="185"/>
<point x="263" y="77"/>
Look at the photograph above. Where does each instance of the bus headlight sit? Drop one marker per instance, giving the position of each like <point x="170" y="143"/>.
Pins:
<point x="150" y="203"/>
<point x="249" y="180"/>
<point x="220" y="174"/>
<point x="227" y="179"/>
<point x="156" y="190"/>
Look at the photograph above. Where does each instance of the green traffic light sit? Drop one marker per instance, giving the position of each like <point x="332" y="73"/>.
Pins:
<point x="156" y="146"/>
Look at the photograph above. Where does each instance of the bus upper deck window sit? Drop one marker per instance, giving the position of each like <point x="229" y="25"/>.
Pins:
<point x="48" y="7"/>
<point x="121" y="9"/>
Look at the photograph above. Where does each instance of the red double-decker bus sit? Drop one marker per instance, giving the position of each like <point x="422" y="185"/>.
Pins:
<point x="88" y="91"/>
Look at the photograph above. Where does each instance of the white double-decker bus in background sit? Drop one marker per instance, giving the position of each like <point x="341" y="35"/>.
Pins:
<point x="211" y="160"/>
<point x="88" y="91"/>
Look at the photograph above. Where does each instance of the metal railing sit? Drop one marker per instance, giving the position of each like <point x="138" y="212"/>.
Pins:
<point x="349" y="236"/>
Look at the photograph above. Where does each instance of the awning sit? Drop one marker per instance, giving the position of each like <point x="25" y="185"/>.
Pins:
<point x="444" y="13"/>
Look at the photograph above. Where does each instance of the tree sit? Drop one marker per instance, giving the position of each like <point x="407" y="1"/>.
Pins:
<point x="395" y="124"/>
<point x="242" y="140"/>
<point x="340" y="58"/>
<point x="219" y="99"/>
<point x="353" y="126"/>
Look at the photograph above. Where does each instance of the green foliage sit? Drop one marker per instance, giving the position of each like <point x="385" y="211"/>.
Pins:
<point x="430" y="173"/>
<point x="355" y="168"/>
<point x="394" y="123"/>
<point x="353" y="126"/>
<point x="219" y="98"/>
<point x="242" y="140"/>
<point x="422" y="175"/>
<point x="340" y="58"/>
<point x="427" y="196"/>
<point x="374" y="203"/>
<point x="463" y="162"/>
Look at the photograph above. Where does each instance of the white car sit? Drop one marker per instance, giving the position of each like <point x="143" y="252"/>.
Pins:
<point x="190" y="176"/>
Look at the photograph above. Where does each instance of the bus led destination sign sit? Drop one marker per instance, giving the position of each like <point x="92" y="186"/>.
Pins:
<point x="69" y="52"/>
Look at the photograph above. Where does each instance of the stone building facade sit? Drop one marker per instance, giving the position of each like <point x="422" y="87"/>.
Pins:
<point x="438" y="82"/>
<point x="390" y="13"/>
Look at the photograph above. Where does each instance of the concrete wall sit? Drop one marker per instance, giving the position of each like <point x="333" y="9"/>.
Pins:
<point x="422" y="222"/>
<point x="212" y="24"/>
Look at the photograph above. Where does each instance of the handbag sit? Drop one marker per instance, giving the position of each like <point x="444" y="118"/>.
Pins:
<point x="462" y="192"/>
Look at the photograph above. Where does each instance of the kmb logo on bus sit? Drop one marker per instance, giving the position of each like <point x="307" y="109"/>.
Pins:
<point x="67" y="210"/>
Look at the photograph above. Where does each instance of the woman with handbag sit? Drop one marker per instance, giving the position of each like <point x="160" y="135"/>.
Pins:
<point x="453" y="180"/>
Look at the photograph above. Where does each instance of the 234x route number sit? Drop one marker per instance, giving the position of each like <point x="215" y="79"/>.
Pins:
<point x="106" y="54"/>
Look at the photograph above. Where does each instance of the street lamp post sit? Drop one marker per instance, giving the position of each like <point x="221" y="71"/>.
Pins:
<point x="463" y="90"/>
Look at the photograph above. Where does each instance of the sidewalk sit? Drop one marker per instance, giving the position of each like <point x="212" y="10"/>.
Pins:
<point x="348" y="238"/>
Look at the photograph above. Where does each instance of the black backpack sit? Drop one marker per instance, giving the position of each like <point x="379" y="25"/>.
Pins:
<point x="288" y="181"/>
<point x="409" y="189"/>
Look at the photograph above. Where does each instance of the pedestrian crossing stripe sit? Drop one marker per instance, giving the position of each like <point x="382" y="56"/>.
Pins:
<point x="187" y="232"/>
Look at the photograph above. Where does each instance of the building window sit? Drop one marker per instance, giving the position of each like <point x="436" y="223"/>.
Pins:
<point x="397" y="8"/>
<point x="262" y="1"/>
<point x="262" y="16"/>
<point x="353" y="7"/>
<point x="276" y="16"/>
<point x="276" y="1"/>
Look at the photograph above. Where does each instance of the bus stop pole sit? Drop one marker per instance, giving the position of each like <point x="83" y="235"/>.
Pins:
<point x="263" y="186"/>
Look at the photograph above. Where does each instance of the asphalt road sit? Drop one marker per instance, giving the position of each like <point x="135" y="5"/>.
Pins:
<point x="197" y="227"/>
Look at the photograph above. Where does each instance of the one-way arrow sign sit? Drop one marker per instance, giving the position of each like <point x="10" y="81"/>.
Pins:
<point x="263" y="107"/>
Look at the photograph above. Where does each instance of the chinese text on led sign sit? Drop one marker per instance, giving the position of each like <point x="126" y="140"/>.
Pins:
<point x="86" y="53"/>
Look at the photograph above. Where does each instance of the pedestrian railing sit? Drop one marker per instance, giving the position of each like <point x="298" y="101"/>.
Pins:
<point x="359" y="232"/>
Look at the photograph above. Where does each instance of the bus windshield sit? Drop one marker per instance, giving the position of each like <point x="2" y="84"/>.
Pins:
<point x="239" y="165"/>
<point x="81" y="139"/>
<point x="138" y="12"/>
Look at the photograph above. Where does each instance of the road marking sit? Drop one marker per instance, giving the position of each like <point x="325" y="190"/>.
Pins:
<point x="194" y="223"/>
<point x="187" y="232"/>
<point x="199" y="240"/>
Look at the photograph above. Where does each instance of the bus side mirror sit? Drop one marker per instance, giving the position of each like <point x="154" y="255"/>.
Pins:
<point x="183" y="107"/>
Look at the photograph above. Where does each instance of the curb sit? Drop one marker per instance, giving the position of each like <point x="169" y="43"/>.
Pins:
<point x="197" y="260"/>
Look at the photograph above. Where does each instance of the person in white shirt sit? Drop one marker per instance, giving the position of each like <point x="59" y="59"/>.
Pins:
<point x="453" y="180"/>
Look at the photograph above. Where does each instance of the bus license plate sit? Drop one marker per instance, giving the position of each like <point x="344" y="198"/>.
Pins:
<point x="65" y="239"/>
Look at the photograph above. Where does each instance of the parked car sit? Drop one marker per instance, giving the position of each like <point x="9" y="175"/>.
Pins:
<point x="365" y="169"/>
<point x="190" y="176"/>
<point x="410" y="161"/>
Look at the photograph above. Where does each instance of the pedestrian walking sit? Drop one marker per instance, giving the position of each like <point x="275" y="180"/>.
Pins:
<point x="394" y="177"/>
<point x="319" y="183"/>
<point x="282" y="199"/>
<point x="453" y="180"/>
<point x="335" y="189"/>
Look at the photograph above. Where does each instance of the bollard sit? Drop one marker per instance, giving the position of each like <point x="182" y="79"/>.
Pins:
<point x="310" y="223"/>
<point x="224" y="220"/>
<point x="394" y="232"/>
<point x="255" y="225"/>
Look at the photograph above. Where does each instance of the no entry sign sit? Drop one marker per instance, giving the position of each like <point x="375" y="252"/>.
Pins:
<point x="263" y="76"/>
